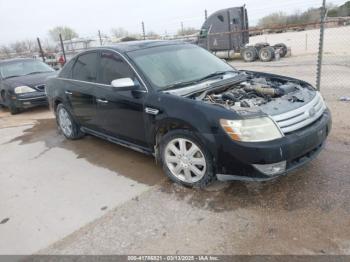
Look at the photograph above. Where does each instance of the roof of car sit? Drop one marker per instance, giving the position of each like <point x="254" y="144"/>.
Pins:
<point x="137" y="45"/>
<point x="14" y="60"/>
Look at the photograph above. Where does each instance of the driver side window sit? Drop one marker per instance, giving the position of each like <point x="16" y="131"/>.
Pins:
<point x="112" y="67"/>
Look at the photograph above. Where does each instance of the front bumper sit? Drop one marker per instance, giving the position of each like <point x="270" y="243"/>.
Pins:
<point x="235" y="160"/>
<point x="28" y="100"/>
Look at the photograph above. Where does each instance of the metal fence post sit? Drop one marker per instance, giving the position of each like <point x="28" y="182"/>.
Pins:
<point x="143" y="31"/>
<point x="320" y="49"/>
<point x="41" y="49"/>
<point x="99" y="35"/>
<point x="62" y="47"/>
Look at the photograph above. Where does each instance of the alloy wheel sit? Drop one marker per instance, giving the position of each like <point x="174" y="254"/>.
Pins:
<point x="65" y="122"/>
<point x="185" y="160"/>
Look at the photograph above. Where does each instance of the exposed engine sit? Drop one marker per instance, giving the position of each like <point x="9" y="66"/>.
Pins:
<point x="254" y="92"/>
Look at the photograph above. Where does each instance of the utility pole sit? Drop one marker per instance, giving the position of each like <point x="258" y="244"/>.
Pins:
<point x="143" y="31"/>
<point x="205" y="15"/>
<point x="99" y="35"/>
<point x="41" y="50"/>
<point x="320" y="49"/>
<point x="62" y="47"/>
<point x="182" y="28"/>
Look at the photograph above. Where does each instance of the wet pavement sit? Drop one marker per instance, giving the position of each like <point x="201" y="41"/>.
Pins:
<point x="117" y="201"/>
<point x="96" y="151"/>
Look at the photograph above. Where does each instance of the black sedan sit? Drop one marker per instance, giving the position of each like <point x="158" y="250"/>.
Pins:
<point x="200" y="117"/>
<point x="22" y="83"/>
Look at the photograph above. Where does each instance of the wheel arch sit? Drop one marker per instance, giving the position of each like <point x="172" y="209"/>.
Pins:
<point x="167" y="125"/>
<point x="56" y="102"/>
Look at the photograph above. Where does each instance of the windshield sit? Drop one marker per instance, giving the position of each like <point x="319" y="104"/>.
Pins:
<point x="24" y="67"/>
<point x="167" y="66"/>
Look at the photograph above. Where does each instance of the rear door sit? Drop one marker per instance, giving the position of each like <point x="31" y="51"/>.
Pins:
<point x="80" y="89"/>
<point x="120" y="112"/>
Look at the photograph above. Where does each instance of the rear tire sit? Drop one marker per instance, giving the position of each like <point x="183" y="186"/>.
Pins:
<point x="283" y="49"/>
<point x="67" y="124"/>
<point x="266" y="54"/>
<point x="249" y="54"/>
<point x="185" y="160"/>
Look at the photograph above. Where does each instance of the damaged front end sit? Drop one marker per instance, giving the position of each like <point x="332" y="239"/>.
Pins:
<point x="283" y="123"/>
<point x="291" y="103"/>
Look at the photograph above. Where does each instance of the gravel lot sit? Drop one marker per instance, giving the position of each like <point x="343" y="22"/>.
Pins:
<point x="336" y="41"/>
<point x="93" y="197"/>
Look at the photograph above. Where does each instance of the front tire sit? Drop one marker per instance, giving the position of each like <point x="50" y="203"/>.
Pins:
<point x="13" y="109"/>
<point x="185" y="160"/>
<point x="66" y="123"/>
<point x="6" y="101"/>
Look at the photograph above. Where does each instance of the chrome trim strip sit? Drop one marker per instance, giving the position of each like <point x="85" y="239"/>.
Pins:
<point x="151" y="111"/>
<point x="111" y="50"/>
<point x="32" y="98"/>
<point x="301" y="117"/>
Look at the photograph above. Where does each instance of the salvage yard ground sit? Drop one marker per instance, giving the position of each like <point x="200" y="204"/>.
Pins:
<point x="93" y="197"/>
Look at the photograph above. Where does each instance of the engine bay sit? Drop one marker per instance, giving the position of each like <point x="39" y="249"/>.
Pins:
<point x="272" y="95"/>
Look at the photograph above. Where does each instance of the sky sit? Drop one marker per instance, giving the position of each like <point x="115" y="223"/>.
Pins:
<point x="28" y="19"/>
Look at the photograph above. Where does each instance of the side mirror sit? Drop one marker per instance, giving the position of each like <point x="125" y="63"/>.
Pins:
<point x="123" y="83"/>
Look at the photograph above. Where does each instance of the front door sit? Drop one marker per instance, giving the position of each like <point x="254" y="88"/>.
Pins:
<point x="120" y="112"/>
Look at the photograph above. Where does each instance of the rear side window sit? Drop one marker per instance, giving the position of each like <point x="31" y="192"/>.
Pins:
<point x="66" y="71"/>
<point x="85" y="67"/>
<point x="112" y="67"/>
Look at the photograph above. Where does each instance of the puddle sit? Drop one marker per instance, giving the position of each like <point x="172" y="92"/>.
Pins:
<point x="124" y="161"/>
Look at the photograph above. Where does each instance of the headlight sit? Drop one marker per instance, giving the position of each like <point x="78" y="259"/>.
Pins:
<point x="251" y="130"/>
<point x="24" y="89"/>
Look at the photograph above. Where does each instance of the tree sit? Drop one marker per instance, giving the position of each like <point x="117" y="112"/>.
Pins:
<point x="19" y="47"/>
<point x="119" y="32"/>
<point x="30" y="46"/>
<point x="187" y="31"/>
<point x="66" y="32"/>
<point x="152" y="34"/>
<point x="49" y="47"/>
<point x="278" y="18"/>
<point x="5" y="51"/>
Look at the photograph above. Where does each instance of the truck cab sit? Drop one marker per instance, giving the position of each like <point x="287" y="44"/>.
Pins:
<point x="214" y="34"/>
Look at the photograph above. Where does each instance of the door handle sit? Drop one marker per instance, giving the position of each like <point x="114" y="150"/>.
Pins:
<point x="103" y="101"/>
<point x="151" y="111"/>
<point x="68" y="93"/>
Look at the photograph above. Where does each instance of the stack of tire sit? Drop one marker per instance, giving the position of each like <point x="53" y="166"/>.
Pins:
<point x="263" y="51"/>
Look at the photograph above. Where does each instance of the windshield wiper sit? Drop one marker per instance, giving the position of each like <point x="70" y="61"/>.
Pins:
<point x="192" y="82"/>
<point x="7" y="77"/>
<point x="217" y="73"/>
<point x="37" y="72"/>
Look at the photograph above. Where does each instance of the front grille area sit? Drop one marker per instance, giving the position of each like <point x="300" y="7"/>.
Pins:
<point x="301" y="117"/>
<point x="40" y="87"/>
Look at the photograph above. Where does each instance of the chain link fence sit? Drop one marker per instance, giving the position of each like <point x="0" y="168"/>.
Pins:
<point x="303" y="42"/>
